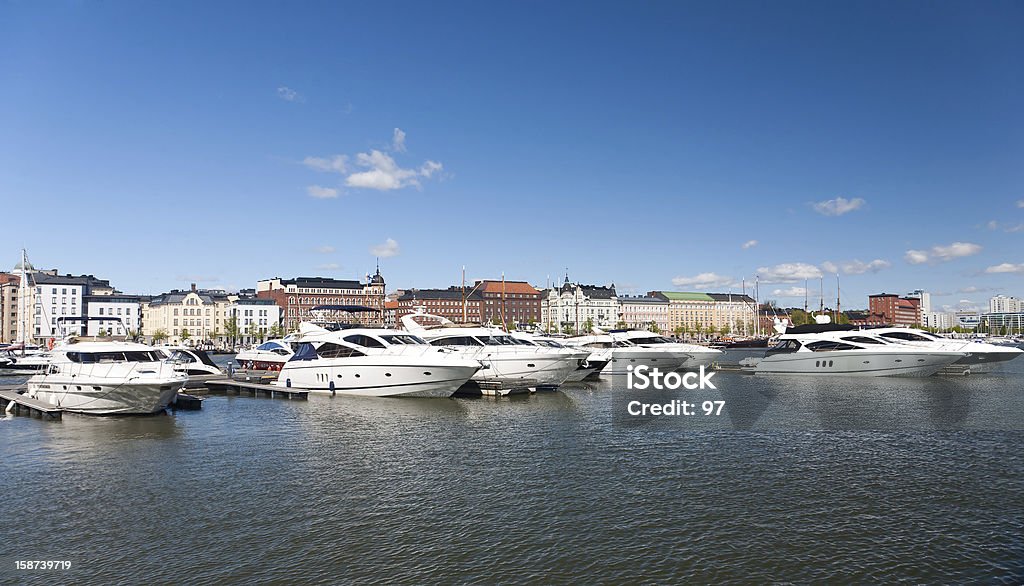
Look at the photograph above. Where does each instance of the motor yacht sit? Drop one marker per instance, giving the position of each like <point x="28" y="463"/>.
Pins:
<point x="270" y="355"/>
<point x="191" y="361"/>
<point x="697" y="356"/>
<point x="830" y="350"/>
<point x="587" y="361"/>
<point x="979" y="356"/>
<point x="373" y="362"/>
<point x="622" y="353"/>
<point x="107" y="378"/>
<point x="499" y="354"/>
<point x="17" y="362"/>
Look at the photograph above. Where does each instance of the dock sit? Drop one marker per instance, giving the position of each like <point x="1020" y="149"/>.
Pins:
<point x="237" y="387"/>
<point x="21" y="404"/>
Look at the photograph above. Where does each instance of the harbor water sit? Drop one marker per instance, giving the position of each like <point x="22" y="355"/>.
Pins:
<point x="832" y="479"/>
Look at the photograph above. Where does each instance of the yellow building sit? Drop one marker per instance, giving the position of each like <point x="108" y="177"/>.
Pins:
<point x="705" y="313"/>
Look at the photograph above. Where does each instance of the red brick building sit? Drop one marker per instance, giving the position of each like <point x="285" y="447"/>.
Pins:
<point x="510" y="301"/>
<point x="889" y="308"/>
<point x="296" y="297"/>
<point x="447" y="303"/>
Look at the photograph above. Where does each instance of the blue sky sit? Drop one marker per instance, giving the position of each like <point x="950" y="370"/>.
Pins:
<point x="645" y="143"/>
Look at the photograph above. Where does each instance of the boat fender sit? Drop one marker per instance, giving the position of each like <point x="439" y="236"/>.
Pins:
<point x="331" y="386"/>
<point x="10" y="408"/>
<point x="288" y="382"/>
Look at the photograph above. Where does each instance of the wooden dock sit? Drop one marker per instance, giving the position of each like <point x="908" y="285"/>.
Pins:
<point x="21" y="404"/>
<point x="237" y="387"/>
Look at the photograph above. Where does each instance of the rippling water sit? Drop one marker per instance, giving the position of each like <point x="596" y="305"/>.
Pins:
<point x="841" y="480"/>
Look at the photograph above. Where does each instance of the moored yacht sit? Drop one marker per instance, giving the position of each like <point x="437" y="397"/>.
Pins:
<point x="499" y="354"/>
<point x="191" y="361"/>
<point x="697" y="355"/>
<point x="270" y="355"/>
<point x="622" y="354"/>
<point x="373" y="362"/>
<point x="588" y="362"/>
<point x="978" y="355"/>
<point x="107" y="378"/>
<point x="827" y="350"/>
<point x="15" y="362"/>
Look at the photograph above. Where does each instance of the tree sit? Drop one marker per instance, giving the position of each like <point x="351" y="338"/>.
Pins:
<point x="276" y="332"/>
<point x="231" y="329"/>
<point x="697" y="328"/>
<point x="185" y="335"/>
<point x="653" y="327"/>
<point x="159" y="336"/>
<point x="621" y="325"/>
<point x="679" y="331"/>
<point x="567" y="329"/>
<point x="726" y="330"/>
<point x="588" y="326"/>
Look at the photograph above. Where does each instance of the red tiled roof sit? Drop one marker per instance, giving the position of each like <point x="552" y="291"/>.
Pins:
<point x="517" y="287"/>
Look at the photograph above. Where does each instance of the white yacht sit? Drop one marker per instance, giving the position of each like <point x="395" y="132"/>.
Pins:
<point x="979" y="355"/>
<point x="499" y="354"/>
<point x="830" y="350"/>
<point x="697" y="355"/>
<point x="107" y="378"/>
<point x="191" y="361"/>
<point x="587" y="362"/>
<point x="622" y="353"/>
<point x="373" y="362"/>
<point x="270" y="355"/>
<point x="16" y="362"/>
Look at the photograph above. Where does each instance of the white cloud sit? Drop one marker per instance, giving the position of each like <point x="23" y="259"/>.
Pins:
<point x="325" y="249"/>
<point x="790" y="292"/>
<point x="830" y="267"/>
<point x="992" y="225"/>
<point x="384" y="174"/>
<point x="1020" y="203"/>
<point x="916" y="257"/>
<point x="703" y="281"/>
<point x="388" y="249"/>
<point x="321" y="192"/>
<point x="942" y="253"/>
<point x="1017" y="228"/>
<point x="955" y="250"/>
<point x="856" y="267"/>
<point x="398" y="141"/>
<point x="335" y="164"/>
<point x="790" y="272"/>
<point x="1006" y="268"/>
<point x="331" y="266"/>
<point x="838" y="206"/>
<point x="749" y="244"/>
<point x="289" y="95"/>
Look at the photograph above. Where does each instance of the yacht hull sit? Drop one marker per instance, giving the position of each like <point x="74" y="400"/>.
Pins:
<point x="623" y="358"/>
<point x="852" y="363"/>
<point x="377" y="380"/>
<point x="80" y="395"/>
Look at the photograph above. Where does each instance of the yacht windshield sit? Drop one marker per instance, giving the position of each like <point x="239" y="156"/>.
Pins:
<point x="108" y="357"/>
<point x="906" y="336"/>
<point x="864" y="340"/>
<point x="498" y="340"/>
<point x="622" y="344"/>
<point x="400" y="339"/>
<point x="650" y="340"/>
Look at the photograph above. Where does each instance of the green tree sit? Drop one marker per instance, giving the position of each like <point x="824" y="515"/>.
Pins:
<point x="653" y="327"/>
<point x="159" y="336"/>
<point x="698" y="328"/>
<point x="185" y="335"/>
<point x="621" y="325"/>
<point x="679" y="331"/>
<point x="588" y="326"/>
<point x="231" y="329"/>
<point x="276" y="331"/>
<point x="567" y="329"/>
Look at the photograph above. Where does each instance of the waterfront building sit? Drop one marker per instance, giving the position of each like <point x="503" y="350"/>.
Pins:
<point x="209" y="317"/>
<point x="572" y="307"/>
<point x="924" y="300"/>
<point x="892" y="309"/>
<point x="943" y="320"/>
<point x="9" y="284"/>
<point x="703" y="313"/>
<point x="514" y="302"/>
<point x="968" y="319"/>
<point x="644" y="313"/>
<point x="58" y="304"/>
<point x="113" y="314"/>
<point x="1003" y="323"/>
<point x="391" y="314"/>
<point x="452" y="304"/>
<point x="297" y="297"/>
<point x="1005" y="304"/>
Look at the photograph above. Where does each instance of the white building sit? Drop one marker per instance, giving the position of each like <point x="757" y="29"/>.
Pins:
<point x="943" y="320"/>
<point x="58" y="304"/>
<point x="254" y="316"/>
<point x="572" y="306"/>
<point x="113" y="315"/>
<point x="639" y="313"/>
<point x="925" y="297"/>
<point x="1004" y="304"/>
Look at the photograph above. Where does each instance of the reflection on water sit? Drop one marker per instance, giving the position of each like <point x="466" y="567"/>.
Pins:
<point x="839" y="480"/>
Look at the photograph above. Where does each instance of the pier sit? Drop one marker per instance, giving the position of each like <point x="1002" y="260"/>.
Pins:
<point x="19" y="404"/>
<point x="230" y="386"/>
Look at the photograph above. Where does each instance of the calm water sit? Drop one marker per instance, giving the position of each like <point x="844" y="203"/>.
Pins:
<point x="916" y="480"/>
